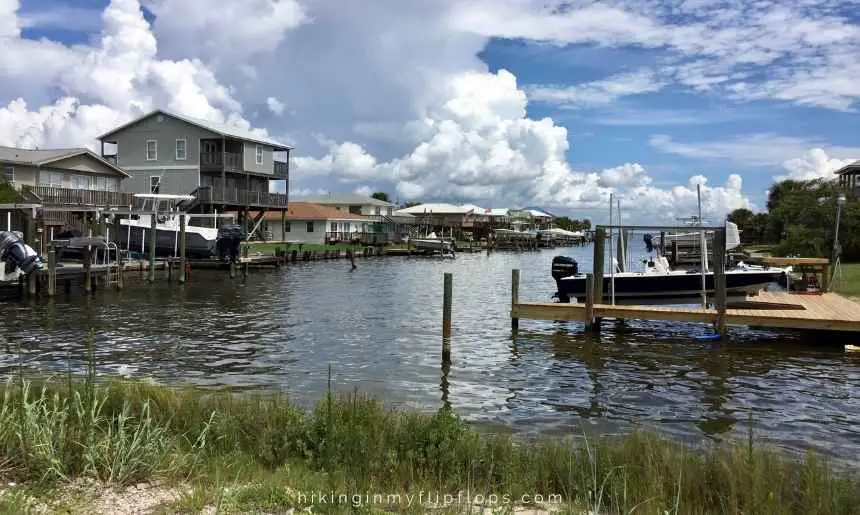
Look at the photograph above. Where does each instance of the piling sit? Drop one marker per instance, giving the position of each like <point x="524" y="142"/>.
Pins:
<point x="232" y="272"/>
<point x="182" y="243"/>
<point x="589" y="302"/>
<point x="599" y="251"/>
<point x="244" y="270"/>
<point x="88" y="276"/>
<point x="351" y="258"/>
<point x="152" y="242"/>
<point x="515" y="297"/>
<point x="169" y="265"/>
<point x="120" y="272"/>
<point x="447" y="298"/>
<point x="52" y="272"/>
<point x="720" y="281"/>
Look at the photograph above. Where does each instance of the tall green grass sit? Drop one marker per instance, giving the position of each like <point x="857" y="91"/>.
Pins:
<point x="259" y="451"/>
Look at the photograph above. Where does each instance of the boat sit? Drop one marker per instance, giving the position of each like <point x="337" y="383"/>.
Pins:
<point x="432" y="244"/>
<point x="17" y="257"/>
<point x="659" y="284"/>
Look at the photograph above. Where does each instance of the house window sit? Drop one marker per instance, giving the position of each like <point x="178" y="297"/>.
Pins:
<point x="181" y="149"/>
<point x="310" y="227"/>
<point x="333" y="227"/>
<point x="377" y="211"/>
<point x="53" y="179"/>
<point x="154" y="184"/>
<point x="82" y="182"/>
<point x="101" y="183"/>
<point x="151" y="150"/>
<point x="9" y="173"/>
<point x="259" y="155"/>
<point x="286" y="226"/>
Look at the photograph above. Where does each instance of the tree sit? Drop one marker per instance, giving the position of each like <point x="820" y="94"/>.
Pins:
<point x="8" y="193"/>
<point x="380" y="195"/>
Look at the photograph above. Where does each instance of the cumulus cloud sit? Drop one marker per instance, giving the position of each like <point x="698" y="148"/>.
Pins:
<point x="814" y="164"/>
<point x="597" y="92"/>
<point x="275" y="105"/>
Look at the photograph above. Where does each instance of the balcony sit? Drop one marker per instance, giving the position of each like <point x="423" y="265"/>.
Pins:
<point x="282" y="169"/>
<point x="50" y="195"/>
<point x="217" y="161"/>
<point x="238" y="197"/>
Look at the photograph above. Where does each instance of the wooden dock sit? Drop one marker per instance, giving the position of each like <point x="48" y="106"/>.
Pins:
<point x="828" y="311"/>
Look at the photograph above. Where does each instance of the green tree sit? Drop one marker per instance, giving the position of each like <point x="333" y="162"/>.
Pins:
<point x="8" y="193"/>
<point x="381" y="195"/>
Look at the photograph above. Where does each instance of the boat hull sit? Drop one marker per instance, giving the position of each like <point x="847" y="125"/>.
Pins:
<point x="673" y="288"/>
<point x="166" y="242"/>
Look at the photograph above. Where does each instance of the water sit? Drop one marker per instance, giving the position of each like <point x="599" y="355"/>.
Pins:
<point x="379" y="327"/>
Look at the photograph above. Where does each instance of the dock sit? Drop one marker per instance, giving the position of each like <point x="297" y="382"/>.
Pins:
<point x="828" y="311"/>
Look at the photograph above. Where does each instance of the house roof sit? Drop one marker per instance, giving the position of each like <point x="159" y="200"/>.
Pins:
<point x="849" y="168"/>
<point x="438" y="209"/>
<point x="222" y="129"/>
<point x="306" y="211"/>
<point x="41" y="157"/>
<point x="346" y="199"/>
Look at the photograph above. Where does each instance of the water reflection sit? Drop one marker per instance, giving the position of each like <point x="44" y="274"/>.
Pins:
<point x="379" y="326"/>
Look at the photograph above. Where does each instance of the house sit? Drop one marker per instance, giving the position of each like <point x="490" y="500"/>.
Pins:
<point x="304" y="222"/>
<point x="849" y="180"/>
<point x="66" y="182"/>
<point x="465" y="221"/>
<point x="222" y="166"/>
<point x="380" y="213"/>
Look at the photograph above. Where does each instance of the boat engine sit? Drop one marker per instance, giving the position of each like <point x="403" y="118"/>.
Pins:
<point x="13" y="251"/>
<point x="649" y="243"/>
<point x="563" y="266"/>
<point x="228" y="242"/>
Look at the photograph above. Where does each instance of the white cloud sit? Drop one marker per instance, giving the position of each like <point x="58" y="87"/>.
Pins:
<point x="597" y="92"/>
<point x="626" y="175"/>
<point x="814" y="164"/>
<point x="275" y="105"/>
<point x="756" y="150"/>
<point x="364" y="191"/>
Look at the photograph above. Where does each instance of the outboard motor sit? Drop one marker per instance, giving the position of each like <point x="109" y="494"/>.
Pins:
<point x="649" y="244"/>
<point x="563" y="266"/>
<point x="14" y="251"/>
<point x="229" y="241"/>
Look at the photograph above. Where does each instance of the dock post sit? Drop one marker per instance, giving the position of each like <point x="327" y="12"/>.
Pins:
<point x="182" y="243"/>
<point x="152" y="242"/>
<point x="599" y="251"/>
<point x="720" y="281"/>
<point x="120" y="271"/>
<point x="232" y="272"/>
<point x="169" y="265"/>
<point x="515" y="297"/>
<point x="88" y="276"/>
<point x="447" y="297"/>
<point x="589" y="302"/>
<point x="52" y="271"/>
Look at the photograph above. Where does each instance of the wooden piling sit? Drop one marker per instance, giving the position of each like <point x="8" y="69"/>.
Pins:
<point x="169" y="265"/>
<point x="120" y="272"/>
<point x="183" y="261"/>
<point x="152" y="242"/>
<point x="52" y="271"/>
<point x="232" y="272"/>
<point x="720" y="281"/>
<point x="447" y="298"/>
<point x="515" y="297"/>
<point x="589" y="302"/>
<point x="88" y="276"/>
<point x="244" y="270"/>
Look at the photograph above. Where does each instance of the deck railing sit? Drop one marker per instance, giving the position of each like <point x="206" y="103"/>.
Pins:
<point x="75" y="197"/>
<point x="230" y="161"/>
<point x="365" y="238"/>
<point x="235" y="196"/>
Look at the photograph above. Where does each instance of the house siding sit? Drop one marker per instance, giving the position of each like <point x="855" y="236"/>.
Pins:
<point x="298" y="231"/>
<point x="24" y="175"/>
<point x="83" y="163"/>
<point x="173" y="181"/>
<point x="131" y="142"/>
<point x="250" y="158"/>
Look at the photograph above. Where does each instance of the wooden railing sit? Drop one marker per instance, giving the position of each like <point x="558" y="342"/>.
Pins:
<point x="365" y="238"/>
<point x="74" y="197"/>
<point x="235" y="196"/>
<point x="231" y="161"/>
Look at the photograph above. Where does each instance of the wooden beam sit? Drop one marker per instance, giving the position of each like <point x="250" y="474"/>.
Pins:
<point x="599" y="251"/>
<point x="720" y="281"/>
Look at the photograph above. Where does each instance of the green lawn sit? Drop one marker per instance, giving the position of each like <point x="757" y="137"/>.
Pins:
<point x="849" y="283"/>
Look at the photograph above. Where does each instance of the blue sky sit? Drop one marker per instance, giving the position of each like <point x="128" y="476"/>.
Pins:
<point x="445" y="100"/>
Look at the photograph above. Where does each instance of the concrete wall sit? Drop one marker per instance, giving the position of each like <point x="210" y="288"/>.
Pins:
<point x="268" y="165"/>
<point x="131" y="142"/>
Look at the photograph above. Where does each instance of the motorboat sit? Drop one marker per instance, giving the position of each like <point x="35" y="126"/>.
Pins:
<point x="433" y="244"/>
<point x="658" y="283"/>
<point x="17" y="257"/>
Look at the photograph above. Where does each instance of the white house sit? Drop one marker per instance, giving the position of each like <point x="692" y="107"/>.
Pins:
<point x="353" y="203"/>
<point x="313" y="223"/>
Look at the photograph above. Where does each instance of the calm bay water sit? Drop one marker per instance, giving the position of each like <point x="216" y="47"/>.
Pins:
<point x="379" y="327"/>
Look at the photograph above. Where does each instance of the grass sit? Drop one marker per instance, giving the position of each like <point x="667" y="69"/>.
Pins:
<point x="849" y="284"/>
<point x="259" y="451"/>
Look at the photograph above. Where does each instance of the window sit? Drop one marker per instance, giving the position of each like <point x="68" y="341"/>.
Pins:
<point x="259" y="155"/>
<point x="82" y="182"/>
<point x="377" y="211"/>
<point x="286" y="226"/>
<point x="151" y="150"/>
<point x="154" y="184"/>
<point x="53" y="179"/>
<point x="310" y="227"/>
<point x="333" y="227"/>
<point x="9" y="172"/>
<point x="181" y="149"/>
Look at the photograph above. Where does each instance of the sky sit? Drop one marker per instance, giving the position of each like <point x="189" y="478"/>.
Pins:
<point x="500" y="103"/>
